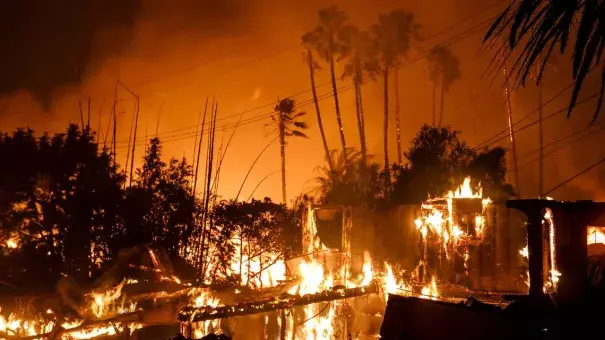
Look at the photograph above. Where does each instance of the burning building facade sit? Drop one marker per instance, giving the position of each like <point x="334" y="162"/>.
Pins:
<point x="447" y="248"/>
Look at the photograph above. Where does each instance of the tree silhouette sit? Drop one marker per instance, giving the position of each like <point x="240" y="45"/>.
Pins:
<point x="359" y="48"/>
<point x="60" y="197"/>
<point x="444" y="70"/>
<point x="249" y="231"/>
<point x="536" y="27"/>
<point x="287" y="125"/>
<point x="347" y="184"/>
<point x="392" y="34"/>
<point x="308" y="41"/>
<point x="324" y="39"/>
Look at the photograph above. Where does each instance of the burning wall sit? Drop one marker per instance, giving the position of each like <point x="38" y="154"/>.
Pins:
<point x="476" y="247"/>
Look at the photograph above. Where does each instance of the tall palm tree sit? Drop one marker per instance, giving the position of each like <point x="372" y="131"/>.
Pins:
<point x="444" y="70"/>
<point x="324" y="40"/>
<point x="392" y="36"/>
<point x="287" y="124"/>
<point x="535" y="27"/>
<point x="361" y="62"/>
<point x="308" y="40"/>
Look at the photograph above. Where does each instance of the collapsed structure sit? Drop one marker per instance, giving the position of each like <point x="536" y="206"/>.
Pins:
<point x="446" y="250"/>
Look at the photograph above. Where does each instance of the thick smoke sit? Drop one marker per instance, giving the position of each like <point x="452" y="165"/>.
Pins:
<point x="174" y="54"/>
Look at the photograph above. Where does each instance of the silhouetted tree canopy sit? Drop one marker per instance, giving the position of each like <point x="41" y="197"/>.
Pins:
<point x="534" y="28"/>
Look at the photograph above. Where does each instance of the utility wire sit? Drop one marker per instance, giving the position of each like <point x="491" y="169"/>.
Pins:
<point x="573" y="177"/>
<point x="286" y="49"/>
<point x="560" y="147"/>
<point x="419" y="57"/>
<point x="585" y="100"/>
<point x="505" y="131"/>
<point x="422" y="55"/>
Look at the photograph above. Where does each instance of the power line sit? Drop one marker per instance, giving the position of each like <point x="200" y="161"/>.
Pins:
<point x="531" y="113"/>
<point x="420" y="57"/>
<point x="341" y="89"/>
<point x="573" y="177"/>
<point x="561" y="147"/>
<point x="593" y="96"/>
<point x="269" y="56"/>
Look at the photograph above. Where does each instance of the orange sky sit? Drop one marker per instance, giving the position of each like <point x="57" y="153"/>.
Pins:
<point x="250" y="60"/>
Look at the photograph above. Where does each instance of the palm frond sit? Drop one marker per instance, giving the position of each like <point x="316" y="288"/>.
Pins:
<point x="301" y="125"/>
<point x="540" y="25"/>
<point x="299" y="134"/>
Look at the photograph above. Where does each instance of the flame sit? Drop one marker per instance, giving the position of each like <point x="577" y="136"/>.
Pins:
<point x="368" y="272"/>
<point x="554" y="273"/>
<point x="595" y="235"/>
<point x="204" y="299"/>
<point x="430" y="291"/>
<point x="103" y="302"/>
<point x="391" y="285"/>
<point x="524" y="252"/>
<point x="465" y="191"/>
<point x="479" y="225"/>
<point x="313" y="279"/>
<point x="13" y="242"/>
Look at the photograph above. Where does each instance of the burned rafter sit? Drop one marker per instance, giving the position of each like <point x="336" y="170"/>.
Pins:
<point x="197" y="314"/>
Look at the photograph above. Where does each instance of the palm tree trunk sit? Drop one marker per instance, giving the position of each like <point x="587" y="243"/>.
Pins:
<point x="282" y="144"/>
<point x="338" y="117"/>
<point x="360" y="123"/>
<point x="442" y="101"/>
<point x="361" y="116"/>
<point x="386" y="118"/>
<point x="397" y="121"/>
<point x="310" y="65"/>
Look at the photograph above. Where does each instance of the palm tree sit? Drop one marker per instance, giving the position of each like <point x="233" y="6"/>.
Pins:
<point x="287" y="125"/>
<point x="392" y="36"/>
<point x="346" y="184"/>
<point x="444" y="69"/>
<point x="537" y="26"/>
<point x="308" y="40"/>
<point x="324" y="40"/>
<point x="361" y="61"/>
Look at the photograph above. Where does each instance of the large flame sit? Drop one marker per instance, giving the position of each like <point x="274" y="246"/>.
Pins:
<point x="465" y="190"/>
<point x="104" y="303"/>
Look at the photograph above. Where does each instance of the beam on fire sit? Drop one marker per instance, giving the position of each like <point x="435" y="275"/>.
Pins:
<point x="197" y="314"/>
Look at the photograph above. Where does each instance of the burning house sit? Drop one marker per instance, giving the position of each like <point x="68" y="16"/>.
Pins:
<point x="459" y="248"/>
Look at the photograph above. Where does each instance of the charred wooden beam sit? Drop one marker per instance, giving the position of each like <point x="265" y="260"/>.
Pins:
<point x="197" y="314"/>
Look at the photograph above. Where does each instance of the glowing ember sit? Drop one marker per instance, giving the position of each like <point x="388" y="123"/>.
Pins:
<point x="13" y="242"/>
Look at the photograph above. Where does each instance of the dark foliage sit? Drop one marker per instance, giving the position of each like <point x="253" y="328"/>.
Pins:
<point x="437" y="161"/>
<point x="536" y="27"/>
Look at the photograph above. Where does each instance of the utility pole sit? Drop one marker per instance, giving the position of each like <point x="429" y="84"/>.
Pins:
<point x="134" y="134"/>
<point x="511" y="130"/>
